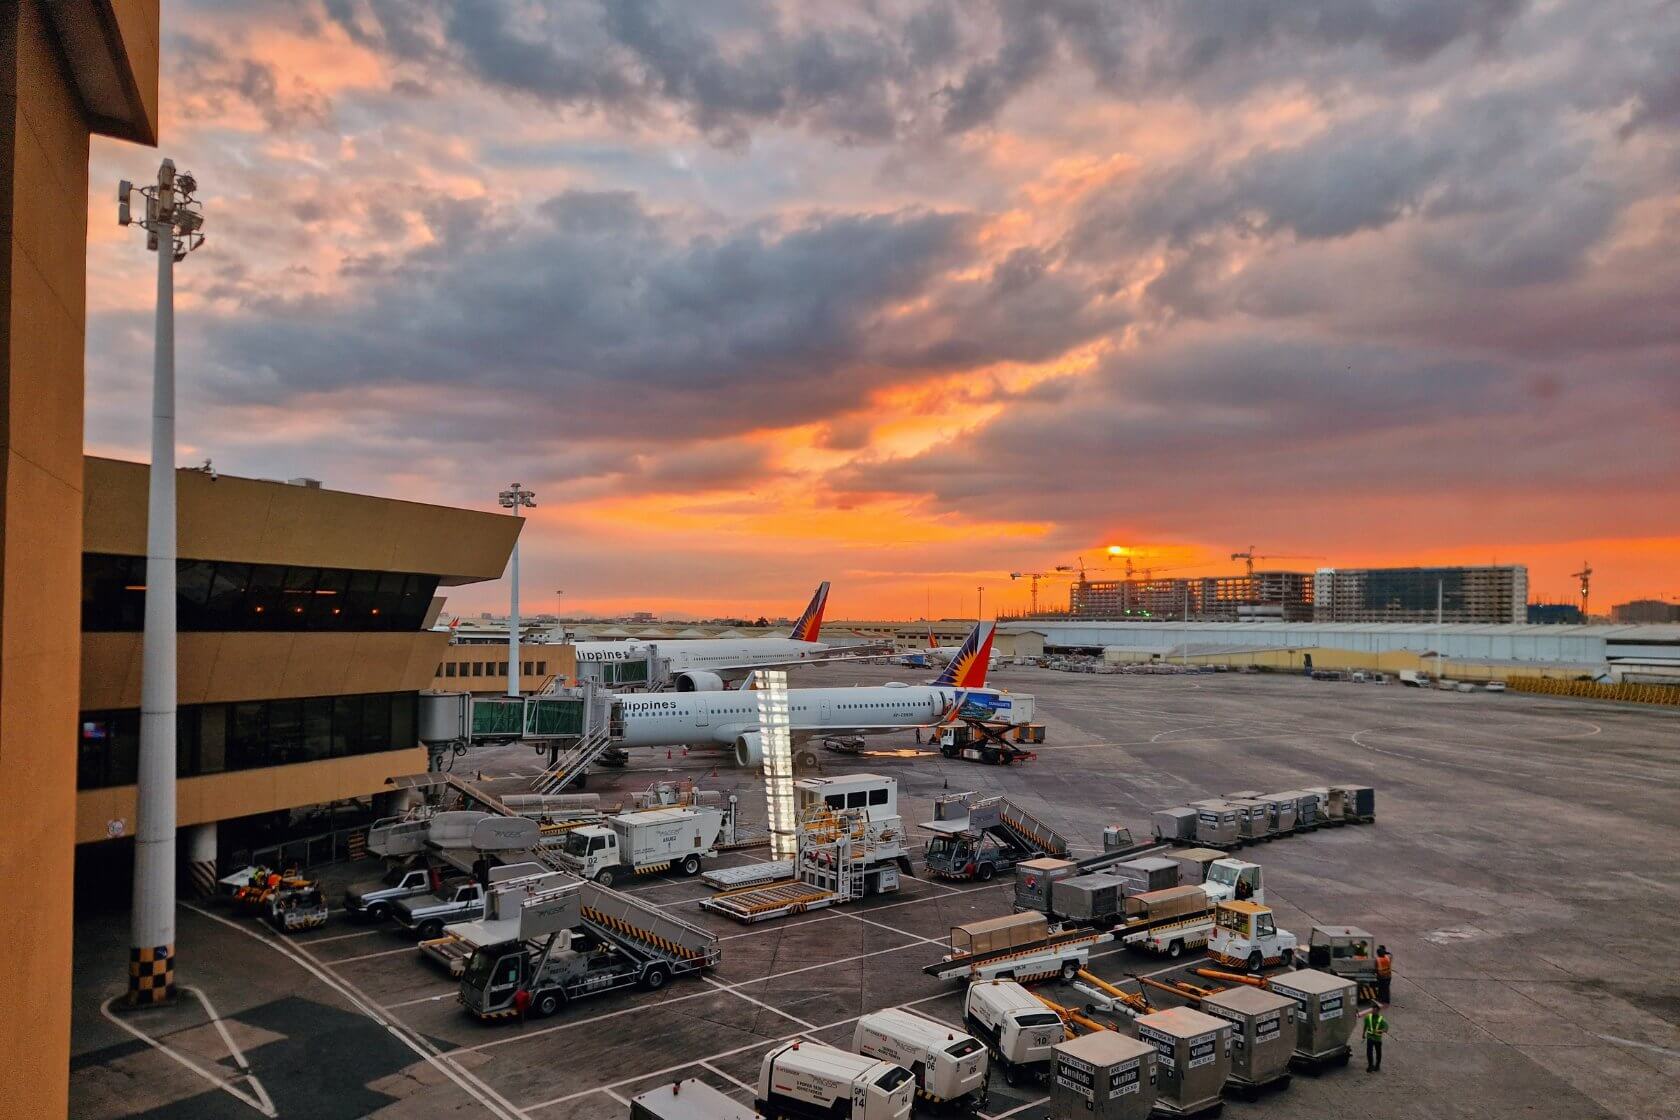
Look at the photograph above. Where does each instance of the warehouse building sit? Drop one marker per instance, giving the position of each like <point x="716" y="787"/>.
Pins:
<point x="1645" y="611"/>
<point x="304" y="618"/>
<point x="1490" y="594"/>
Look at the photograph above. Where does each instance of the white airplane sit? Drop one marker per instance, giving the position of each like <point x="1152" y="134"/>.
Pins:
<point x="935" y="654"/>
<point x="712" y="664"/>
<point x="730" y="719"/>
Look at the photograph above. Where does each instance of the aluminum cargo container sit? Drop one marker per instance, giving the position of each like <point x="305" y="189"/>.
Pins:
<point x="1088" y="898"/>
<point x="1216" y="825"/>
<point x="1103" y="1074"/>
<point x="1329" y="801"/>
<point x="1262" y="1033"/>
<point x="1308" y="808"/>
<point x="1285" y="813"/>
<point x="1151" y="873"/>
<point x="1326" y="1007"/>
<point x="1244" y="795"/>
<point x="1359" y="802"/>
<point x="1254" y="819"/>
<point x="1035" y="877"/>
<point x="1174" y="824"/>
<point x="1193" y="863"/>
<point x="1192" y="1058"/>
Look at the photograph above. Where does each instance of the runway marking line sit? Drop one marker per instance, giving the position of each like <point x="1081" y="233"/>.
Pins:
<point x="260" y="1101"/>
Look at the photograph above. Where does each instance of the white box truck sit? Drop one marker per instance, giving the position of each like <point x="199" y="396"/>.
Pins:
<point x="949" y="1065"/>
<point x="643" y="842"/>
<point x="1020" y="1033"/>
<point x="808" y="1079"/>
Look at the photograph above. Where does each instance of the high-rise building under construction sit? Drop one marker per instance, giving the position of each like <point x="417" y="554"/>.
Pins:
<point x="1490" y="594"/>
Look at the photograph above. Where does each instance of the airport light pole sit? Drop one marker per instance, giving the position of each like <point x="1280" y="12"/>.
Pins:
<point x="517" y="499"/>
<point x="173" y="222"/>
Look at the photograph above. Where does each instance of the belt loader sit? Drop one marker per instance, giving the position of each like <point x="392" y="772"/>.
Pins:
<point x="561" y="939"/>
<point x="1016" y="947"/>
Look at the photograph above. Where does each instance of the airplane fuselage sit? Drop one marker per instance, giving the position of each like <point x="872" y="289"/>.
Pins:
<point x="705" y="654"/>
<point x="717" y="718"/>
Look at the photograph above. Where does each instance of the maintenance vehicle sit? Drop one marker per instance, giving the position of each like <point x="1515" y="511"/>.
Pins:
<point x="461" y="901"/>
<point x="561" y="939"/>
<point x="372" y="899"/>
<point x="808" y="1079"/>
<point x="949" y="1067"/>
<point x="976" y="837"/>
<point x="1245" y="935"/>
<point x="1018" y="1031"/>
<point x="643" y="842"/>
<point x="295" y="908"/>
<point x="981" y="742"/>
<point x="1236" y="879"/>
<point x="1345" y="951"/>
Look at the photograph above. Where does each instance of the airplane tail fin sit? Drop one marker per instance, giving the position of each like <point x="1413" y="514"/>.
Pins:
<point x="968" y="668"/>
<point x="810" y="623"/>
<point x="933" y="643"/>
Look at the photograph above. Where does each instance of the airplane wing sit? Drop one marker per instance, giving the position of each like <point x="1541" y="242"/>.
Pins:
<point x="849" y="655"/>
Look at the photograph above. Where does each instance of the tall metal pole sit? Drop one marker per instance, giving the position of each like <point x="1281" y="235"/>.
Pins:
<point x="1440" y="634"/>
<point x="151" y="955"/>
<point x="517" y="499"/>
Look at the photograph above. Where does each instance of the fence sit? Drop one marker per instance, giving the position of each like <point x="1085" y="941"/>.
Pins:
<point x="1593" y="690"/>
<point x="307" y="851"/>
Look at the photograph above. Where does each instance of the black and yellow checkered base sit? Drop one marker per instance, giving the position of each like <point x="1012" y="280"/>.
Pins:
<point x="151" y="976"/>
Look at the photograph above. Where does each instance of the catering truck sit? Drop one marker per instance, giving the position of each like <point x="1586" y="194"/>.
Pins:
<point x="643" y="842"/>
<point x="808" y="1079"/>
<point x="949" y="1066"/>
<point x="1019" y="1032"/>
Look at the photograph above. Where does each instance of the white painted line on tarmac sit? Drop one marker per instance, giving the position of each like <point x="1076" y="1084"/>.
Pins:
<point x="260" y="1101"/>
<point x="447" y="994"/>
<point x="468" y="1083"/>
<point x="372" y="956"/>
<point x="1013" y="1111"/>
<point x="524" y="1035"/>
<point x="1641" y="1045"/>
<point x="729" y="1077"/>
<point x="342" y="937"/>
<point x="892" y="929"/>
<point x="722" y="987"/>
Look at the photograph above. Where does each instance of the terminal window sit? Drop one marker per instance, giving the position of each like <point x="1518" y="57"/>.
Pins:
<point x="230" y="596"/>
<point x="216" y="738"/>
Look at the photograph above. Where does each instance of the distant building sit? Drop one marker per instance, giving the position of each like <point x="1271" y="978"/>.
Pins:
<point x="1491" y="594"/>
<point x="1645" y="610"/>
<point x="1553" y="614"/>
<point x="1259" y="597"/>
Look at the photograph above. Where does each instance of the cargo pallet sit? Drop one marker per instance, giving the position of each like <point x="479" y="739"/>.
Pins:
<point x="776" y="900"/>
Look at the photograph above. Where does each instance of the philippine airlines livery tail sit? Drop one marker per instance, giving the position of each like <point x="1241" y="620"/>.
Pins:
<point x="810" y="623"/>
<point x="968" y="668"/>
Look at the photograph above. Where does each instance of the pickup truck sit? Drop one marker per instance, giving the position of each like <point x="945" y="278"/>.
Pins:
<point x="427" y="914"/>
<point x="373" y="898"/>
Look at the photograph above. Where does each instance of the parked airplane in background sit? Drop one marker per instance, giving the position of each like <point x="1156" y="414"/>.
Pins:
<point x="935" y="654"/>
<point x="711" y="664"/>
<point x="730" y="719"/>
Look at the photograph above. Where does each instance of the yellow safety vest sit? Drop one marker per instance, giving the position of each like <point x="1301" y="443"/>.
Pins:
<point x="1375" y="1026"/>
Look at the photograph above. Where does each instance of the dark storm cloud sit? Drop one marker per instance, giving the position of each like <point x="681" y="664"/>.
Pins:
<point x="872" y="72"/>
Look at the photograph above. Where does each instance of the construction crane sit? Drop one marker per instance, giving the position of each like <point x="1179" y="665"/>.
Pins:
<point x="1585" y="576"/>
<point x="1251" y="556"/>
<point x="1054" y="573"/>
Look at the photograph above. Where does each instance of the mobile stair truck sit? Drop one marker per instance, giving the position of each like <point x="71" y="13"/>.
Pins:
<point x="949" y="1067"/>
<point x="643" y="842"/>
<point x="810" y="1080"/>
<point x="976" y="837"/>
<point x="1016" y="947"/>
<point x="850" y="844"/>
<point x="562" y="939"/>
<point x="1019" y="1032"/>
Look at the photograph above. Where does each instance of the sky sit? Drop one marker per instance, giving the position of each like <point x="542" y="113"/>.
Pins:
<point x="911" y="296"/>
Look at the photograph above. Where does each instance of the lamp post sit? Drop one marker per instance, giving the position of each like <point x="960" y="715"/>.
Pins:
<point x="173" y="222"/>
<point x="517" y="499"/>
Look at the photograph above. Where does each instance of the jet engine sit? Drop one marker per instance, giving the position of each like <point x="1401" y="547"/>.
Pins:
<point x="699" y="682"/>
<point x="749" y="749"/>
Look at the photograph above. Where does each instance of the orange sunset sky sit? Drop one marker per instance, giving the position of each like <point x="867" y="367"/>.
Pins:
<point x="910" y="296"/>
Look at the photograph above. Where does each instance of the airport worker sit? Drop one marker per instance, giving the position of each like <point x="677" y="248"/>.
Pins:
<point x="1385" y="973"/>
<point x="522" y="1003"/>
<point x="1375" y="1027"/>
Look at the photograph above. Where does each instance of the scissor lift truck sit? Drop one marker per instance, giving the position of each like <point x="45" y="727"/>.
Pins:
<point x="561" y="939"/>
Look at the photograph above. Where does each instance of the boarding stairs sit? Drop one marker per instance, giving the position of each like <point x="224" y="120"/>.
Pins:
<point x="570" y="764"/>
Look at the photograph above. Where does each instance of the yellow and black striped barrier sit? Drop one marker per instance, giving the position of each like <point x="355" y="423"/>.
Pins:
<point x="1596" y="690"/>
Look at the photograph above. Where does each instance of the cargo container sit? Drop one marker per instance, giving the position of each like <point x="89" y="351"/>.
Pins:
<point x="1018" y="1030"/>
<point x="1262" y="1034"/>
<point x="1105" y="1075"/>
<point x="1174" y="824"/>
<point x="1159" y="906"/>
<point x="1254" y="819"/>
<point x="1088" y="899"/>
<point x="1034" y="879"/>
<point x="1193" y="863"/>
<point x="1329" y="803"/>
<point x="1244" y="795"/>
<point x="1150" y="874"/>
<point x="948" y="1065"/>
<point x="1308" y="808"/>
<point x="1285" y="813"/>
<point x="1359" y="803"/>
<point x="808" y="1079"/>
<point x="1326" y="1007"/>
<point x="1013" y="931"/>
<point x="1216" y="825"/>
<point x="689" y="1099"/>
<point x="1192" y="1059"/>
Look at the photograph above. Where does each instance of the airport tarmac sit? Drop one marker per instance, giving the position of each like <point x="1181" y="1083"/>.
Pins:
<point x="1522" y="870"/>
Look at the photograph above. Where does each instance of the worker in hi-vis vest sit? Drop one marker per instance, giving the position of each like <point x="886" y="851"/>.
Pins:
<point x="1375" y="1027"/>
<point x="1385" y="974"/>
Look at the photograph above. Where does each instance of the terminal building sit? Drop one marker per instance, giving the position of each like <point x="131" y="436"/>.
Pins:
<point x="1476" y="595"/>
<point x="305" y="638"/>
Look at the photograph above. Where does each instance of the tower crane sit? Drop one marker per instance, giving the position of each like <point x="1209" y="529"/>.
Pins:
<point x="1585" y="576"/>
<point x="1250" y="556"/>
<point x="1058" y="571"/>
